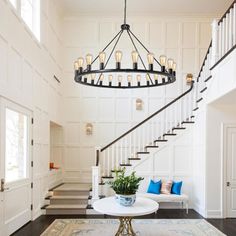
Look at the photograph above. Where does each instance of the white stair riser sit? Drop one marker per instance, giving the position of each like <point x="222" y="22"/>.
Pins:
<point x="65" y="211"/>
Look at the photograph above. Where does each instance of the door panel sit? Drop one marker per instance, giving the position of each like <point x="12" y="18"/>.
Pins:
<point x="231" y="172"/>
<point x="15" y="167"/>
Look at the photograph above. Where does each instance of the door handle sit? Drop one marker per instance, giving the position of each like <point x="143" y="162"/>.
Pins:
<point x="2" y="187"/>
<point x="228" y="184"/>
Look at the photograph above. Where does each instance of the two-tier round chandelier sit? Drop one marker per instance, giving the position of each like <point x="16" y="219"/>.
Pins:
<point x="139" y="75"/>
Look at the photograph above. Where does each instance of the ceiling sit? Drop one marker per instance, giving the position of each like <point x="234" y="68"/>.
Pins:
<point x="145" y="7"/>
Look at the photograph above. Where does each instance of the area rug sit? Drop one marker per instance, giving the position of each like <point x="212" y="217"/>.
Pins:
<point x="142" y="227"/>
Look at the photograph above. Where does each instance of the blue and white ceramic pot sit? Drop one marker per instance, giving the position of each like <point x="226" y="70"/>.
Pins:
<point x="125" y="200"/>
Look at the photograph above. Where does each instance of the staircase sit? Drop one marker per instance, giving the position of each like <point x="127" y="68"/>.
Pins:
<point x="69" y="199"/>
<point x="155" y="131"/>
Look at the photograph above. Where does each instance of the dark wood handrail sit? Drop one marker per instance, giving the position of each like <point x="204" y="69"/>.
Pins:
<point x="205" y="58"/>
<point x="228" y="10"/>
<point x="151" y="116"/>
<point x="204" y="61"/>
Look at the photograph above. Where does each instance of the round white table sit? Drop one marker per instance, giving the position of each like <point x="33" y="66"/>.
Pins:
<point x="109" y="206"/>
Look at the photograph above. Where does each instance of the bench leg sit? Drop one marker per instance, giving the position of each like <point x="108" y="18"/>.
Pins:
<point x="186" y="205"/>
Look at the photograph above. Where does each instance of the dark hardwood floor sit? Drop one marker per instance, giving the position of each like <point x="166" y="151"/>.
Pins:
<point x="35" y="228"/>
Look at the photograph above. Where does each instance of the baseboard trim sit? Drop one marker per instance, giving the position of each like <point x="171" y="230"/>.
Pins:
<point x="216" y="214"/>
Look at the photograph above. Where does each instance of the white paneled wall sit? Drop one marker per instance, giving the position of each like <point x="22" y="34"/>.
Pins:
<point x="26" y="77"/>
<point x="112" y="112"/>
<point x="173" y="161"/>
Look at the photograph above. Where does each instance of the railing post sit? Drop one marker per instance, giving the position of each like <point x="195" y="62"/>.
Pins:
<point x="95" y="174"/>
<point x="215" y="53"/>
<point x="95" y="182"/>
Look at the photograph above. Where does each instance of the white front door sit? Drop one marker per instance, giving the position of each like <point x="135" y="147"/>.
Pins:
<point x="231" y="172"/>
<point x="15" y="171"/>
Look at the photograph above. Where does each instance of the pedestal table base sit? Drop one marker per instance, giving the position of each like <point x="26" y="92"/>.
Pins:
<point x="125" y="227"/>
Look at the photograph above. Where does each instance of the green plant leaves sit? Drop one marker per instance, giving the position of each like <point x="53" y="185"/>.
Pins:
<point x="125" y="185"/>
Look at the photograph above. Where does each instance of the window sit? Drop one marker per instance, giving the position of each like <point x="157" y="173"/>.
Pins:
<point x="30" y="13"/>
<point x="14" y="3"/>
<point x="16" y="146"/>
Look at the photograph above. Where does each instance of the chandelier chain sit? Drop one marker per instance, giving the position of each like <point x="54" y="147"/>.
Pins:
<point x="125" y="12"/>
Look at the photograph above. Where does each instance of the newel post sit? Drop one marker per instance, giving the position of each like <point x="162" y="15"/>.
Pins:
<point x="215" y="42"/>
<point x="95" y="175"/>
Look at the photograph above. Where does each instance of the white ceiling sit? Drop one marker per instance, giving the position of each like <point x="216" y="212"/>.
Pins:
<point x="143" y="7"/>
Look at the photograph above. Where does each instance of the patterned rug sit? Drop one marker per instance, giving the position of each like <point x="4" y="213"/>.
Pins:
<point x="144" y="227"/>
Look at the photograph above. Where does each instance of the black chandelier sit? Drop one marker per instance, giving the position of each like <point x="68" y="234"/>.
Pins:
<point x="113" y="77"/>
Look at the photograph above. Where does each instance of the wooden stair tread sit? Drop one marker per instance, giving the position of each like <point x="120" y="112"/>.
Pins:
<point x="134" y="159"/>
<point x="203" y="90"/>
<point x="179" y="128"/>
<point x="188" y="122"/>
<point x="161" y="140"/>
<point x="107" y="177"/>
<point x="125" y="164"/>
<point x="67" y="206"/>
<point x="150" y="146"/>
<point x="69" y="197"/>
<point x="170" y="134"/>
<point x="199" y="100"/>
<point x="143" y="152"/>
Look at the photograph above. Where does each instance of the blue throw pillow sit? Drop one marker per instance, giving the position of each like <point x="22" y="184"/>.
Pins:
<point x="154" y="187"/>
<point x="176" y="187"/>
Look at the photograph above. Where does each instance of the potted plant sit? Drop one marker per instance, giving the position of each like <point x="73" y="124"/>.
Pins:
<point x="125" y="187"/>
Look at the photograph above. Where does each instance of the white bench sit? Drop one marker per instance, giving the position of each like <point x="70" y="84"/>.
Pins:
<point x="183" y="198"/>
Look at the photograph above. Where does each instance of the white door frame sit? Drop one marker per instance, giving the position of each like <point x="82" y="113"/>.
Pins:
<point x="225" y="126"/>
<point x="5" y="103"/>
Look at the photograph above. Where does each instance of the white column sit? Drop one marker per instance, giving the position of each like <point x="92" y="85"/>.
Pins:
<point x="95" y="182"/>
<point x="214" y="55"/>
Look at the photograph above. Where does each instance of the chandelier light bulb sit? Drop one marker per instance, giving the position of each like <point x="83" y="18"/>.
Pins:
<point x="80" y="62"/>
<point x="150" y="57"/>
<point x="119" y="80"/>
<point x="135" y="56"/>
<point x="170" y="64"/>
<point x="138" y="77"/>
<point x="89" y="59"/>
<point x="93" y="76"/>
<point x="163" y="62"/>
<point x="110" y="78"/>
<point x="174" y="66"/>
<point x="148" y="79"/>
<point x="102" y="57"/>
<point x="76" y="65"/>
<point x="118" y="56"/>
<point x="129" y="78"/>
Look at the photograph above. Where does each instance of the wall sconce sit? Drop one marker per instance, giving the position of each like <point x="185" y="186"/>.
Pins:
<point x="139" y="104"/>
<point x="89" y="129"/>
<point x="189" y="79"/>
